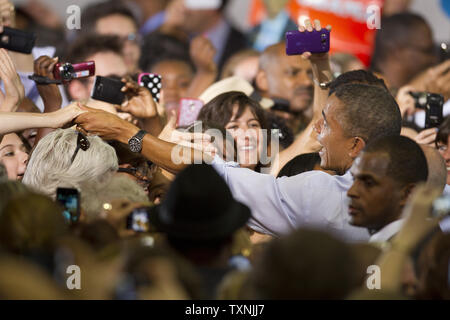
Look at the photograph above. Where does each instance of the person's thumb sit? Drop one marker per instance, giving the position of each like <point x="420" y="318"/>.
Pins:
<point x="172" y="119"/>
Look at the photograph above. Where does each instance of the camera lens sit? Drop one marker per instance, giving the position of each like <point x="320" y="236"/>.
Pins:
<point x="67" y="72"/>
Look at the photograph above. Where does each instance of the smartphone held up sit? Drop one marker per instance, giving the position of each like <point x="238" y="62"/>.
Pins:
<point x="17" y="40"/>
<point x="188" y="111"/>
<point x="314" y="41"/>
<point x="69" y="198"/>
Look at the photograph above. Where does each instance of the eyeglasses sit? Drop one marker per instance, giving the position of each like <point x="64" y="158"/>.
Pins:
<point x="132" y="37"/>
<point x="82" y="143"/>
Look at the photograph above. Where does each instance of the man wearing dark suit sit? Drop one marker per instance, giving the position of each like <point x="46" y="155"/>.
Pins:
<point x="213" y="24"/>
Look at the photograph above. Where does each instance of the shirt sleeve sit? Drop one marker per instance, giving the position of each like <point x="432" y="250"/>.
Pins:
<point x="278" y="205"/>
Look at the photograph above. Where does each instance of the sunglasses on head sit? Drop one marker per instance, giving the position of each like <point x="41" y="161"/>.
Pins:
<point x="82" y="143"/>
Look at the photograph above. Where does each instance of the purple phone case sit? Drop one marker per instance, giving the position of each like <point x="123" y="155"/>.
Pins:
<point x="315" y="42"/>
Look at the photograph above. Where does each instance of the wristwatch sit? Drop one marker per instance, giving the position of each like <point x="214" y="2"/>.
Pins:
<point x="135" y="142"/>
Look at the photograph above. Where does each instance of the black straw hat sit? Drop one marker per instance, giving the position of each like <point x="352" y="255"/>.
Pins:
<point x="199" y="205"/>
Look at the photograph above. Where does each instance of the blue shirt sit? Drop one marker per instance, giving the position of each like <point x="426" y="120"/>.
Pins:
<point x="280" y="205"/>
<point x="153" y="23"/>
<point x="271" y="31"/>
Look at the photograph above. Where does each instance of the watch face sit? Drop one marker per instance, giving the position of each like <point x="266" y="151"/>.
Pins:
<point x="135" y="144"/>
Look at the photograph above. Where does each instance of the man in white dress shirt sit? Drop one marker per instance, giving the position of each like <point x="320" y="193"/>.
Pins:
<point x="354" y="115"/>
<point x="385" y="174"/>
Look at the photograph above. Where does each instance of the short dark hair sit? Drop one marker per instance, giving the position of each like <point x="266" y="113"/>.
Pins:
<point x="94" y="12"/>
<point x="394" y="33"/>
<point x="407" y="162"/>
<point x="220" y="109"/>
<point x="88" y="45"/>
<point x="356" y="76"/>
<point x="370" y="112"/>
<point x="301" y="163"/>
<point x="158" y="46"/>
<point x="443" y="132"/>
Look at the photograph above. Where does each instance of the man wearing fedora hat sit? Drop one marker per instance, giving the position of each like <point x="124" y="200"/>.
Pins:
<point x="200" y="216"/>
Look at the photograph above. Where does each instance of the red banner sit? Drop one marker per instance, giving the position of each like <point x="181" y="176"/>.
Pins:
<point x="351" y="20"/>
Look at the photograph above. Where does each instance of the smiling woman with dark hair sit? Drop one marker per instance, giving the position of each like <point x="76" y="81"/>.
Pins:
<point x="244" y="118"/>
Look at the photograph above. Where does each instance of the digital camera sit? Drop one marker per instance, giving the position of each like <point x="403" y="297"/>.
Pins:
<point x="433" y="104"/>
<point x="66" y="72"/>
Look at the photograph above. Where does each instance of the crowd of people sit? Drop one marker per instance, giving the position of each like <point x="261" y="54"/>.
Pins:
<point x="284" y="177"/>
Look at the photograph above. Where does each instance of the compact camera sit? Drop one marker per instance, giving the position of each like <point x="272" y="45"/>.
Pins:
<point x="66" y="72"/>
<point x="433" y="105"/>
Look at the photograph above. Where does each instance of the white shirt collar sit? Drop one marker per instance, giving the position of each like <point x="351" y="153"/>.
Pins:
<point x="387" y="232"/>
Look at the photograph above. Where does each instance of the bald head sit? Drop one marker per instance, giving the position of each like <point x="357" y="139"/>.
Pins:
<point x="286" y="77"/>
<point x="437" y="171"/>
<point x="271" y="55"/>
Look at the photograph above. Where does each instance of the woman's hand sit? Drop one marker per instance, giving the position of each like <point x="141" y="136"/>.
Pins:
<point x="66" y="115"/>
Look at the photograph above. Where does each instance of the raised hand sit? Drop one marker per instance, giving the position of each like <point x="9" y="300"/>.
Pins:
<point x="427" y="137"/>
<point x="6" y="14"/>
<point x="139" y="102"/>
<point x="406" y="101"/>
<point x="202" y="54"/>
<point x="14" y="90"/>
<point x="309" y="27"/>
<point x="43" y="66"/>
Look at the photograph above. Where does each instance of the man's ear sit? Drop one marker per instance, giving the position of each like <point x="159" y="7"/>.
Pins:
<point x="406" y="192"/>
<point x="261" y="81"/>
<point x="77" y="90"/>
<point x="357" y="146"/>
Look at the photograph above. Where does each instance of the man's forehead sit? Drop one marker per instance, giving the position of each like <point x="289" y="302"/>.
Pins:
<point x="293" y="61"/>
<point x="374" y="163"/>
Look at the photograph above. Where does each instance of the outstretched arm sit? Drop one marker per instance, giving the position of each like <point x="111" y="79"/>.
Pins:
<point x="171" y="157"/>
<point x="17" y="121"/>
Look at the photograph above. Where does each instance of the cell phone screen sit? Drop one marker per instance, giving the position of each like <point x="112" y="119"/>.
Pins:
<point x="70" y="199"/>
<point x="138" y="220"/>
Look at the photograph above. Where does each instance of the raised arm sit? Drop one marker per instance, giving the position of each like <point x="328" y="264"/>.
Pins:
<point x="306" y="141"/>
<point x="202" y="54"/>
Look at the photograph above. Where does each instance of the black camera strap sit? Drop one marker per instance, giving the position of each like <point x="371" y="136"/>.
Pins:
<point x="43" y="80"/>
